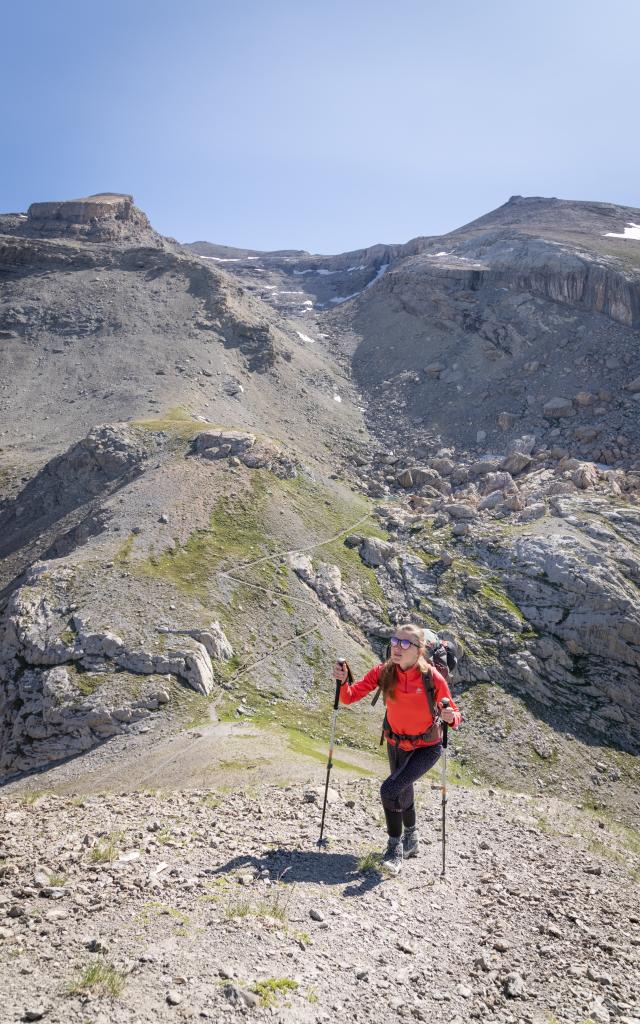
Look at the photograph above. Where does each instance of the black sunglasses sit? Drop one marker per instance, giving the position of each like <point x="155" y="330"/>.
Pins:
<point x="396" y="641"/>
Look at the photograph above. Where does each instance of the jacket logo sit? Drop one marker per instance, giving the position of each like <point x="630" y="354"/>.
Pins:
<point x="418" y="689"/>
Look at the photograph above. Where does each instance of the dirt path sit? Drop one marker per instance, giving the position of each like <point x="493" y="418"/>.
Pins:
<point x="222" y="756"/>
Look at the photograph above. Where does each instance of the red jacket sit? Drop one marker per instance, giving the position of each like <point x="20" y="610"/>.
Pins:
<point x="408" y="711"/>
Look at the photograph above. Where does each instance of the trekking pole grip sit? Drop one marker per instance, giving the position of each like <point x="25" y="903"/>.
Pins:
<point x="445" y="727"/>
<point x="341" y="661"/>
<point x="337" y="697"/>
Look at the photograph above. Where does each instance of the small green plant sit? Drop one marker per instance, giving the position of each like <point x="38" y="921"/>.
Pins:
<point x="275" y="907"/>
<point x="269" y="988"/>
<point x="164" y="836"/>
<point x="100" y="979"/>
<point x="86" y="683"/>
<point x="30" y="796"/>
<point x="58" y="880"/>
<point x="241" y="909"/>
<point x="68" y="637"/>
<point x="369" y="862"/>
<point x="106" y="848"/>
<point x="124" y="551"/>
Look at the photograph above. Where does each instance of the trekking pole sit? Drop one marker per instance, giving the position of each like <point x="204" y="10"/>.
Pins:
<point x="341" y="661"/>
<point x="445" y="704"/>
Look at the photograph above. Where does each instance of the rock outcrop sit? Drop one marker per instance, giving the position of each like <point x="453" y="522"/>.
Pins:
<point x="51" y="659"/>
<point x="105" y="217"/>
<point x="242" y="447"/>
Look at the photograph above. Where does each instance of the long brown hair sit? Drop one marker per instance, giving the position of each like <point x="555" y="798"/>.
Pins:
<point x="388" y="677"/>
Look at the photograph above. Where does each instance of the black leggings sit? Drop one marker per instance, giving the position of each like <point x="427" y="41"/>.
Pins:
<point x="396" y="792"/>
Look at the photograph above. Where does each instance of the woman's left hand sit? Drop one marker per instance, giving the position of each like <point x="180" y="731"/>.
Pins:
<point x="447" y="715"/>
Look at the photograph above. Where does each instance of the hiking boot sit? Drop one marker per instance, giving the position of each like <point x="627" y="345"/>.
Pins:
<point x="393" y="856"/>
<point x="410" y="842"/>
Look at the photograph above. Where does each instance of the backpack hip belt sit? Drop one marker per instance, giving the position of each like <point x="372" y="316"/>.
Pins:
<point x="432" y="735"/>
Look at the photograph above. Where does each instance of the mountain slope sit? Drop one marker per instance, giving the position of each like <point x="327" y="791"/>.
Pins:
<point x="199" y="487"/>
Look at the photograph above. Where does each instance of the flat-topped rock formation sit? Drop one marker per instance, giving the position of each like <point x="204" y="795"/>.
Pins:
<point x="104" y="217"/>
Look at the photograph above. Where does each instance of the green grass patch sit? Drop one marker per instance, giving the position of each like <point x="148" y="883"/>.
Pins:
<point x="500" y="599"/>
<point x="87" y="683"/>
<point x="369" y="862"/>
<point x="30" y="796"/>
<point x="68" y="637"/>
<point x="196" y="709"/>
<point x="124" y="551"/>
<point x="300" y="743"/>
<point x="270" y="988"/>
<point x="426" y="556"/>
<point x="326" y="513"/>
<point x="241" y="909"/>
<point x="106" y="849"/>
<point x="306" y="726"/>
<point x="100" y="979"/>
<point x="176" y="421"/>
<point x="236" y="534"/>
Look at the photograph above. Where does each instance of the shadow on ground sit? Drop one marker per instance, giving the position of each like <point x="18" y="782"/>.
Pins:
<point x="299" y="866"/>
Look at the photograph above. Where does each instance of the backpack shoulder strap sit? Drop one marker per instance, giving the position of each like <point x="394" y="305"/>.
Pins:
<point x="430" y="690"/>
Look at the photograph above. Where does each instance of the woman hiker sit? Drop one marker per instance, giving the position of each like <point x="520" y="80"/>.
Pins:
<point x="411" y="729"/>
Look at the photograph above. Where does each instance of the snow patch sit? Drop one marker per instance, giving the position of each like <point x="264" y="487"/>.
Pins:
<point x="305" y="337"/>
<point x="381" y="270"/>
<point x="631" y="231"/>
<point x="337" y="398"/>
<point x="320" y="270"/>
<point x="345" y="298"/>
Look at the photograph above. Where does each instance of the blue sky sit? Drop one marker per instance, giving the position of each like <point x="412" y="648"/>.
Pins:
<point x="319" y="125"/>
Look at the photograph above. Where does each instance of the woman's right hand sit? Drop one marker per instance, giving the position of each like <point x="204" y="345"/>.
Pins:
<point x="340" y="671"/>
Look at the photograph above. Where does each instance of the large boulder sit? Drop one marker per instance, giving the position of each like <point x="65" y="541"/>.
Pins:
<point x="516" y="463"/>
<point x="585" y="476"/>
<point x="461" y="511"/>
<point x="375" y="552"/>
